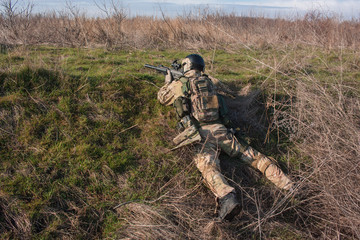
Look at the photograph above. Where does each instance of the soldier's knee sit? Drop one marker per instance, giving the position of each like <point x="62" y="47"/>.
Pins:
<point x="206" y="162"/>
<point x="232" y="146"/>
<point x="249" y="155"/>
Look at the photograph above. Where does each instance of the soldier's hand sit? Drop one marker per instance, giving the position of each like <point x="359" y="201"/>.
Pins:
<point x="168" y="77"/>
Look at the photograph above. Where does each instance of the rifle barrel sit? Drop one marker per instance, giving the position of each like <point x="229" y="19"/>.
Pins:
<point x="176" y="74"/>
<point x="160" y="68"/>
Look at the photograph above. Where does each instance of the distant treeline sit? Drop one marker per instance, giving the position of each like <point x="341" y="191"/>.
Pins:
<point x="19" y="26"/>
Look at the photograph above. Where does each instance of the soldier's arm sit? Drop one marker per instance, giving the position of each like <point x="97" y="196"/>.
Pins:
<point x="169" y="92"/>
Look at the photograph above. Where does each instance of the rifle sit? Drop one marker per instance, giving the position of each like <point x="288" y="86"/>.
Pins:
<point x="175" y="71"/>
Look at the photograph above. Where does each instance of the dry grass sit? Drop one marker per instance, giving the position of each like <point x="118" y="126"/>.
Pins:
<point x="325" y="122"/>
<point x="321" y="116"/>
<point x="192" y="30"/>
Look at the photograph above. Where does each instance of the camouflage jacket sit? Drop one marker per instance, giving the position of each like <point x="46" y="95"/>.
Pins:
<point x="176" y="89"/>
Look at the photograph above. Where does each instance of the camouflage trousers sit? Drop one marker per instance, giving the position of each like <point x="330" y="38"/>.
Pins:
<point x="216" y="137"/>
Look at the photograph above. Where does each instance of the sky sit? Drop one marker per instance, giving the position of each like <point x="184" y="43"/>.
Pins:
<point x="344" y="8"/>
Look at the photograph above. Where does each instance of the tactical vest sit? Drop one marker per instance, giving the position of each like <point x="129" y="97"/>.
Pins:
<point x="204" y="99"/>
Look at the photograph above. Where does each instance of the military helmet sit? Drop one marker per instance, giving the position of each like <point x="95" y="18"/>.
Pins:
<point x="193" y="61"/>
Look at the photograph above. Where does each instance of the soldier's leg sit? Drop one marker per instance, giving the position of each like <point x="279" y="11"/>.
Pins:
<point x="220" y="136"/>
<point x="234" y="148"/>
<point x="208" y="163"/>
<point x="267" y="167"/>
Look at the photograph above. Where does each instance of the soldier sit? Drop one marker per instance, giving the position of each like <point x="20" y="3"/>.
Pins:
<point x="203" y="113"/>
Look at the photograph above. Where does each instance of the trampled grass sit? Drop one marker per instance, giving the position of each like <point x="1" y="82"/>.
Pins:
<point x="84" y="144"/>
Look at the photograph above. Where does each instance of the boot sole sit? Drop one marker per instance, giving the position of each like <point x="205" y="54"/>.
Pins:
<point x="234" y="212"/>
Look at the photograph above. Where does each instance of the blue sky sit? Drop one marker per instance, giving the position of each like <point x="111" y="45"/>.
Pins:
<point x="347" y="8"/>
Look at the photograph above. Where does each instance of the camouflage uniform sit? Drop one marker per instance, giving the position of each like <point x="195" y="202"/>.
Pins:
<point x="216" y="137"/>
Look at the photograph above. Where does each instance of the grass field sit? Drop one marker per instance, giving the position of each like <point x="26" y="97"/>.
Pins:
<point x="84" y="144"/>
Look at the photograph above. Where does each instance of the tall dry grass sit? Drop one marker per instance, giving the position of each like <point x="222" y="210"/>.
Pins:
<point x="191" y="30"/>
<point x="324" y="121"/>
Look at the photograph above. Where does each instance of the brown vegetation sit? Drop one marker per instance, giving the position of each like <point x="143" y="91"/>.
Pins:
<point x="203" y="29"/>
<point x="325" y="123"/>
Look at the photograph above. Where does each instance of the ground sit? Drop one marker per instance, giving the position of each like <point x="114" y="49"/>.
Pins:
<point x="84" y="144"/>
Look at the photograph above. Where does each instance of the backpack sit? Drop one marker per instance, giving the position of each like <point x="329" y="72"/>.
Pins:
<point x="204" y="99"/>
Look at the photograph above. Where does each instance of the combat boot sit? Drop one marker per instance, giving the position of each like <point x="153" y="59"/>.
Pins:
<point x="229" y="207"/>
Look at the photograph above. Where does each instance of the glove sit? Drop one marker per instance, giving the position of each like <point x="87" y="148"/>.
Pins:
<point x="168" y="77"/>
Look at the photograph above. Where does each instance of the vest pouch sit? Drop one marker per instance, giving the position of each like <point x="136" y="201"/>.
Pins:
<point x="209" y="103"/>
<point x="204" y="100"/>
<point x="205" y="108"/>
<point x="181" y="105"/>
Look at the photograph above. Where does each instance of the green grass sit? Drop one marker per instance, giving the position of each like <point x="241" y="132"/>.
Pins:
<point x="68" y="132"/>
<point x="82" y="131"/>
